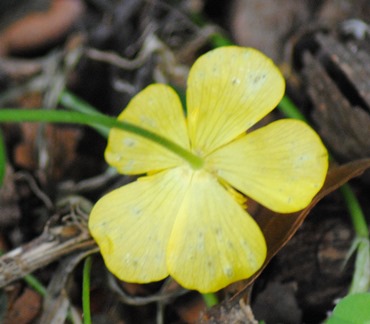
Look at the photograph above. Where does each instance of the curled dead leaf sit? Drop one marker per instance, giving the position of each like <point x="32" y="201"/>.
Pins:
<point x="39" y="28"/>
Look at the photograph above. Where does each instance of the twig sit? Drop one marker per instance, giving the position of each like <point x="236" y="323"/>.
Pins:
<point x="137" y="301"/>
<point x="50" y="246"/>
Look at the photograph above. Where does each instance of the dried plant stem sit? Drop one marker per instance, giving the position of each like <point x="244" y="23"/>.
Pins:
<point x="53" y="243"/>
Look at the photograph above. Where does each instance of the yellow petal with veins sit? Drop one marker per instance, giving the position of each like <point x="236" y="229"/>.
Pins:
<point x="132" y="225"/>
<point x="282" y="165"/>
<point x="214" y="241"/>
<point x="157" y="108"/>
<point x="229" y="90"/>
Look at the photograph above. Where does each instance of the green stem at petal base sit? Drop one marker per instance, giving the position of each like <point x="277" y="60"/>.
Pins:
<point x="289" y="109"/>
<point x="72" y="117"/>
<point x="210" y="299"/>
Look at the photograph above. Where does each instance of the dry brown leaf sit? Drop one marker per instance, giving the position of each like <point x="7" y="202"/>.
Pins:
<point x="338" y="84"/>
<point x="189" y="309"/>
<point x="25" y="308"/>
<point x="259" y="24"/>
<point x="39" y="28"/>
<point x="61" y="143"/>
<point x="279" y="228"/>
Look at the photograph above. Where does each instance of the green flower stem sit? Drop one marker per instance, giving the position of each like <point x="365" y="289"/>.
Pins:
<point x="35" y="284"/>
<point x="72" y="117"/>
<point x="219" y="40"/>
<point x="210" y="299"/>
<point x="86" y="290"/>
<point x="354" y="208"/>
<point x="289" y="109"/>
<point x="72" y="102"/>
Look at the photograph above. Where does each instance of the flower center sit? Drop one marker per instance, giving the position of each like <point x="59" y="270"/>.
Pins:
<point x="196" y="161"/>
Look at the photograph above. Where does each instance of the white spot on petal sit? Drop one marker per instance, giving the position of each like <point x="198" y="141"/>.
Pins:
<point x="127" y="258"/>
<point x="136" y="211"/>
<point x="228" y="271"/>
<point x="129" y="142"/>
<point x="235" y="81"/>
<point x="128" y="166"/>
<point x="114" y="157"/>
<point x="148" y="121"/>
<point x="201" y="240"/>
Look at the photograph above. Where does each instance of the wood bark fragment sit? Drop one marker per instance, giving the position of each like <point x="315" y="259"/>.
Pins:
<point x="51" y="245"/>
<point x="337" y="77"/>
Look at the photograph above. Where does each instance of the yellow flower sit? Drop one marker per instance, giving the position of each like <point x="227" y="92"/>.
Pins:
<point x="190" y="222"/>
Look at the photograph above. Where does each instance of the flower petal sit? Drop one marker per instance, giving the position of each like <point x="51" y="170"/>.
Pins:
<point x="229" y="90"/>
<point x="282" y="165"/>
<point x="132" y="225"/>
<point x="157" y="108"/>
<point x="214" y="241"/>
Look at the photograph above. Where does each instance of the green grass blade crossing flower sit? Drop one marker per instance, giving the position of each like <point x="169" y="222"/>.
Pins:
<point x="72" y="102"/>
<point x="72" y="117"/>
